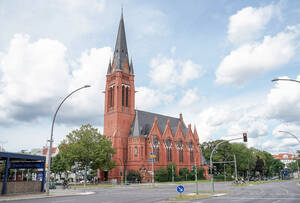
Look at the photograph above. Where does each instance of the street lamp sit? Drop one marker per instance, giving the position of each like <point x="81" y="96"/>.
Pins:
<point x="51" y="138"/>
<point x="290" y="134"/>
<point x="278" y="79"/>
<point x="211" y="163"/>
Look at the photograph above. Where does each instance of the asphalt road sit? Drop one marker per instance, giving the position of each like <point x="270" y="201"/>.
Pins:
<point x="285" y="191"/>
<point x="276" y="192"/>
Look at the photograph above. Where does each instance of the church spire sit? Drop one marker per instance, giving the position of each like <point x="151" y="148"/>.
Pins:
<point x="120" y="59"/>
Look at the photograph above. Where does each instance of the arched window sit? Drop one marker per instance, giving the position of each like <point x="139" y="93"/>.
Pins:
<point x="126" y="96"/>
<point x="191" y="151"/>
<point x="111" y="97"/>
<point x="156" y="148"/>
<point x="169" y="150"/>
<point x="180" y="148"/>
<point x="135" y="151"/>
<point x="123" y="92"/>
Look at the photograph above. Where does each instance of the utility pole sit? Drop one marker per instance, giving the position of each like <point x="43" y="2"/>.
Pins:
<point x="298" y="169"/>
<point x="152" y="164"/>
<point x="196" y="177"/>
<point x="211" y="162"/>
<point x="235" y="168"/>
<point x="224" y="173"/>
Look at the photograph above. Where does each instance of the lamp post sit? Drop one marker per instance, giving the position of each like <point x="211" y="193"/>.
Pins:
<point x="121" y="171"/>
<point x="211" y="163"/>
<point x="51" y="138"/>
<point x="281" y="131"/>
<point x="283" y="79"/>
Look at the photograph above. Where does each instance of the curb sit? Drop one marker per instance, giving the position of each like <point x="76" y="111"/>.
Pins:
<point x="42" y="196"/>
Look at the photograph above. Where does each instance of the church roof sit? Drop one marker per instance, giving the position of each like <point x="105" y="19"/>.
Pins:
<point x="120" y="59"/>
<point x="143" y="122"/>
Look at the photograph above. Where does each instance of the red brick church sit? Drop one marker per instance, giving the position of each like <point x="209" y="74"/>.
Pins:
<point x="135" y="133"/>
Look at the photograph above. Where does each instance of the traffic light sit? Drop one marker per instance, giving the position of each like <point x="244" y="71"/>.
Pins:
<point x="245" y="137"/>
<point x="213" y="170"/>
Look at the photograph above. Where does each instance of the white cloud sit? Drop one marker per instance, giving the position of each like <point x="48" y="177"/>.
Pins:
<point x="284" y="101"/>
<point x="167" y="73"/>
<point x="247" y="24"/>
<point x="253" y="59"/>
<point x="254" y="128"/>
<point x="89" y="103"/>
<point x="287" y="127"/>
<point x="74" y="6"/>
<point x="156" y="22"/>
<point x="190" y="97"/>
<point x="36" y="77"/>
<point x="276" y="146"/>
<point x="30" y="74"/>
<point x="147" y="98"/>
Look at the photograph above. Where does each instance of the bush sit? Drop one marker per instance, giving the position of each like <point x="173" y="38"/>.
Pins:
<point x="221" y="178"/>
<point x="161" y="175"/>
<point x="134" y="176"/>
<point x="185" y="174"/>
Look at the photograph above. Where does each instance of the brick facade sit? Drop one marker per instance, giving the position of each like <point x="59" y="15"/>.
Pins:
<point x="133" y="138"/>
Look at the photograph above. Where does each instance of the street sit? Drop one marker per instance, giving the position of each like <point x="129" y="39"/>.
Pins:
<point x="275" y="192"/>
<point x="284" y="191"/>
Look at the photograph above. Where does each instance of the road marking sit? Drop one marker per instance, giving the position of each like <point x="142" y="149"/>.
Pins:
<point x="219" y="195"/>
<point x="260" y="198"/>
<point x="66" y="200"/>
<point x="86" y="193"/>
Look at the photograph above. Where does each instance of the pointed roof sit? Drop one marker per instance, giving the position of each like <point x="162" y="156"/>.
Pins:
<point x="120" y="59"/>
<point x="109" y="67"/>
<point x="143" y="122"/>
<point x="131" y="67"/>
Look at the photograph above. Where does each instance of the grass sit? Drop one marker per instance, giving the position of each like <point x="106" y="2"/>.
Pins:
<point x="189" y="197"/>
<point x="218" y="191"/>
<point x="148" y="187"/>
<point x="183" y="182"/>
<point x="255" y="183"/>
<point x="93" y="185"/>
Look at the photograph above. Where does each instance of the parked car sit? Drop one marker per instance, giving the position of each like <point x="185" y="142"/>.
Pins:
<point x="59" y="182"/>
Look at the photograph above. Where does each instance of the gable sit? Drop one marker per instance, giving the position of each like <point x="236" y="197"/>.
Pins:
<point x="143" y="122"/>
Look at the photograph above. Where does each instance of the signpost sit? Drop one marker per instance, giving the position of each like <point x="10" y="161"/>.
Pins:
<point x="180" y="189"/>
<point x="153" y="156"/>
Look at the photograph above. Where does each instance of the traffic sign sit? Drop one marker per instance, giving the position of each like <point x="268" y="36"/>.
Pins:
<point x="152" y="155"/>
<point x="150" y="160"/>
<point x="180" y="189"/>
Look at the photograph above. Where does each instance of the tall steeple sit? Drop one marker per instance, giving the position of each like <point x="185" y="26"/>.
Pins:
<point x="120" y="60"/>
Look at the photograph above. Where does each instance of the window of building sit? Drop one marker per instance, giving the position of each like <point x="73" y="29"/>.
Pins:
<point x="126" y="96"/>
<point x="135" y="151"/>
<point x="169" y="150"/>
<point x="180" y="151"/>
<point x="156" y="148"/>
<point x="110" y="97"/>
<point x="123" y="92"/>
<point x="190" y="144"/>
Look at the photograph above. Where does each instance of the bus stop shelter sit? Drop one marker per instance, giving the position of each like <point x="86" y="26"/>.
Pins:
<point x="21" y="161"/>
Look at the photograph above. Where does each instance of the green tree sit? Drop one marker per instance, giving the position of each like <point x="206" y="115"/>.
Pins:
<point x="276" y="167"/>
<point x="87" y="147"/>
<point x="134" y="176"/>
<point x="59" y="165"/>
<point x="184" y="173"/>
<point x="169" y="169"/>
<point x="293" y="166"/>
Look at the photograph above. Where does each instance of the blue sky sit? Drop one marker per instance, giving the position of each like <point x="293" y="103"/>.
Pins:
<point x="211" y="61"/>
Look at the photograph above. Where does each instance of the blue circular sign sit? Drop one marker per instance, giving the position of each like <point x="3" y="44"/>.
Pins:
<point x="180" y="188"/>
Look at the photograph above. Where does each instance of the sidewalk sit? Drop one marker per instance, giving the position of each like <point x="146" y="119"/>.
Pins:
<point x="53" y="193"/>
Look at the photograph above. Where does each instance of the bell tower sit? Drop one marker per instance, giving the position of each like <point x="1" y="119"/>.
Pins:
<point x="119" y="107"/>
